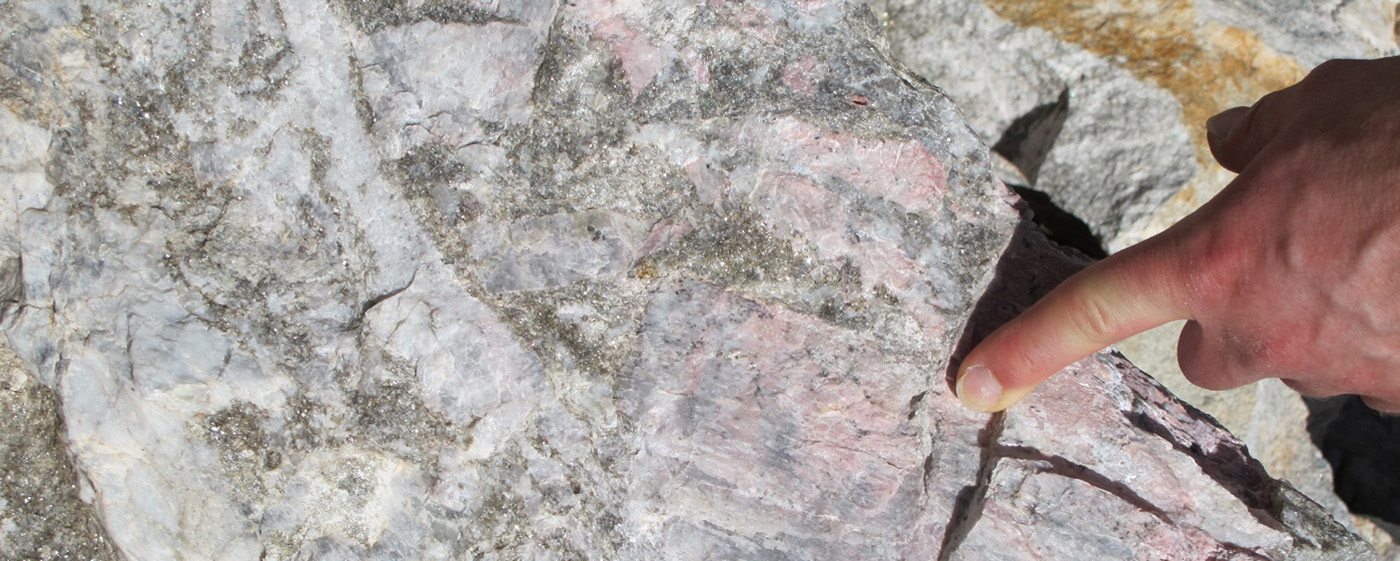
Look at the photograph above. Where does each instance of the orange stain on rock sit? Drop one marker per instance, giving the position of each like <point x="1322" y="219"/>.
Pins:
<point x="1208" y="67"/>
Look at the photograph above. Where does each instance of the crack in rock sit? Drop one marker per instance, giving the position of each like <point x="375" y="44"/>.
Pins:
<point x="1064" y="467"/>
<point x="967" y="508"/>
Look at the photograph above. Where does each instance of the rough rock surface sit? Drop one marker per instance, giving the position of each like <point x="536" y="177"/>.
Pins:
<point x="1102" y="105"/>
<point x="1363" y="448"/>
<point x="526" y="280"/>
<point x="1268" y="416"/>
<point x="44" y="514"/>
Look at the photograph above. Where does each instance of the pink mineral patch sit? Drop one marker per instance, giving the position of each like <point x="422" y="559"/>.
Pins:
<point x="1086" y="416"/>
<point x="756" y="22"/>
<point x="798" y="76"/>
<point x="779" y="421"/>
<point x="797" y="208"/>
<point x="711" y="184"/>
<point x="798" y="204"/>
<point x="901" y="171"/>
<point x="698" y="66"/>
<point x="663" y="234"/>
<point x="641" y="60"/>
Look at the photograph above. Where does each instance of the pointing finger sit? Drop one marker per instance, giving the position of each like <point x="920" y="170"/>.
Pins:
<point x="1123" y="295"/>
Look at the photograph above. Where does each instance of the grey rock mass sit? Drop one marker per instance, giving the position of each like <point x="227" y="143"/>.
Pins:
<point x="457" y="279"/>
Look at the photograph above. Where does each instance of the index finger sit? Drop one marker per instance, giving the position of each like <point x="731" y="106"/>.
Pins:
<point x="1125" y="294"/>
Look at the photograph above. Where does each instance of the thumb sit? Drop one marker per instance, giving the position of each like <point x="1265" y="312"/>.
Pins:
<point x="1239" y="134"/>
<point x="1125" y="294"/>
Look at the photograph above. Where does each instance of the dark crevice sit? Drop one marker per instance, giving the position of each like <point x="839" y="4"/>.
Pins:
<point x="357" y="321"/>
<point x="1229" y="465"/>
<point x="1363" y="447"/>
<point x="1060" y="225"/>
<point x="928" y="471"/>
<point x="1065" y="468"/>
<point x="915" y="403"/>
<point x="377" y="299"/>
<point x="967" y="507"/>
<point x="1227" y="461"/>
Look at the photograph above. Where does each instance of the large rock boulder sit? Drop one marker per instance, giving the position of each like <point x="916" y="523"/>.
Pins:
<point x="1101" y="107"/>
<point x="1102" y="104"/>
<point x="527" y="280"/>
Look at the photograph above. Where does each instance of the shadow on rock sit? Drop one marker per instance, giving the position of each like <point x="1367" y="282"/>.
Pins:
<point x="1027" y="270"/>
<point x="1363" y="447"/>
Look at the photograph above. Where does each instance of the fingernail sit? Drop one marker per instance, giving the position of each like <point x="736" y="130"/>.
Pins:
<point x="978" y="389"/>
<point x="1219" y="127"/>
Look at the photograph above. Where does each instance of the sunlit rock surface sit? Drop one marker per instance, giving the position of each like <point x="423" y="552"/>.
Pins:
<point x="1102" y="104"/>
<point x="527" y="280"/>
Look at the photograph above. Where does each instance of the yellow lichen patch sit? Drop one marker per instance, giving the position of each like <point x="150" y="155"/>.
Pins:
<point x="1208" y="67"/>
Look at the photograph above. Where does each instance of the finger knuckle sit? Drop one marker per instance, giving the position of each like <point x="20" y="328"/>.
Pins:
<point x="1093" y="318"/>
<point x="1332" y="68"/>
<point x="1327" y="80"/>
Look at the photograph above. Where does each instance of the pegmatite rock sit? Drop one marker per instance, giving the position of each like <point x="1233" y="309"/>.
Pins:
<point x="605" y="280"/>
<point x="1102" y="106"/>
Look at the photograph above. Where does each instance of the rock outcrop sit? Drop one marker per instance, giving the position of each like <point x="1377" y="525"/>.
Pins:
<point x="527" y="280"/>
<point x="1102" y="106"/>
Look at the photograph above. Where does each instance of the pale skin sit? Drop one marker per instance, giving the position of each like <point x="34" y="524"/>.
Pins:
<point x="1291" y="272"/>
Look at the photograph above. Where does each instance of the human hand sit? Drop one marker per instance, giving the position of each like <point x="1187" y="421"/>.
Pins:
<point x="1292" y="271"/>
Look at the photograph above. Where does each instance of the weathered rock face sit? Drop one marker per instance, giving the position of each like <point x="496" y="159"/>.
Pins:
<point x="1361" y="446"/>
<point x="533" y="280"/>
<point x="1102" y="105"/>
<point x="45" y="516"/>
